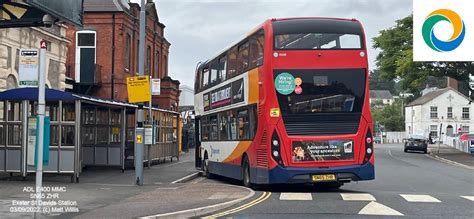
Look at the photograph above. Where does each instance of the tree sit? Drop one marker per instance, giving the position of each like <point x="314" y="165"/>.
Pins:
<point x="396" y="59"/>
<point x="390" y="116"/>
<point x="376" y="82"/>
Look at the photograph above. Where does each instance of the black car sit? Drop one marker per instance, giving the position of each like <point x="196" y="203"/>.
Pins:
<point x="416" y="143"/>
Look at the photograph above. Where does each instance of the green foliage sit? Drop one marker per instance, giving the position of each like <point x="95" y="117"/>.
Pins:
<point x="396" y="59"/>
<point x="376" y="82"/>
<point x="390" y="116"/>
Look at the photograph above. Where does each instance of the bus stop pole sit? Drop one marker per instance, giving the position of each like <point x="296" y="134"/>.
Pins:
<point x="139" y="146"/>
<point x="41" y="114"/>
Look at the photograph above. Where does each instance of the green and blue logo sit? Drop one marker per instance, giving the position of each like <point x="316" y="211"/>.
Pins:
<point x="443" y="15"/>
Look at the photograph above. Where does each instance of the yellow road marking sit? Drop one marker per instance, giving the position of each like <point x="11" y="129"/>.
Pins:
<point x="260" y="199"/>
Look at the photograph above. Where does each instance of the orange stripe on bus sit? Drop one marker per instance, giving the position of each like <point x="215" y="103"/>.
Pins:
<point x="238" y="151"/>
<point x="253" y="86"/>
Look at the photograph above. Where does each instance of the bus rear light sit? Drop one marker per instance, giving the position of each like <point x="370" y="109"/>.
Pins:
<point x="276" y="148"/>
<point x="369" y="146"/>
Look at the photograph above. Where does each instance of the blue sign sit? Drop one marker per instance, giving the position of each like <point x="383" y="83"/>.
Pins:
<point x="46" y="136"/>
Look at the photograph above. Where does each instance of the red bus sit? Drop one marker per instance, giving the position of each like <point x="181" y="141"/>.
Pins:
<point x="287" y="104"/>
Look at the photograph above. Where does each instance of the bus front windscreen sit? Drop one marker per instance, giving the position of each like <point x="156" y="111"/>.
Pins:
<point x="312" y="91"/>
<point x="317" y="34"/>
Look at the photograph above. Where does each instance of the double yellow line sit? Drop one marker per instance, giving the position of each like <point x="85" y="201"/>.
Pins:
<point x="260" y="199"/>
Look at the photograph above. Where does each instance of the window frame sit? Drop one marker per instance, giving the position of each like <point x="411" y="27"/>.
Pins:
<point x="465" y="113"/>
<point x="433" y="112"/>
<point x="243" y="47"/>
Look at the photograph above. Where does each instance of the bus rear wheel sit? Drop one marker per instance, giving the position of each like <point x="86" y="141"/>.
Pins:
<point x="246" y="173"/>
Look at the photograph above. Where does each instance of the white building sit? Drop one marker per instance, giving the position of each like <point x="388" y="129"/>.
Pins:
<point x="443" y="108"/>
<point x="186" y="98"/>
<point x="381" y="96"/>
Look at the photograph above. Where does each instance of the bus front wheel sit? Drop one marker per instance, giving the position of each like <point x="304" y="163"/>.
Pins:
<point x="205" y="167"/>
<point x="246" y="173"/>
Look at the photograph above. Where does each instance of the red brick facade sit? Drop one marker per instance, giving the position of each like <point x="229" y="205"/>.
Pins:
<point x="111" y="52"/>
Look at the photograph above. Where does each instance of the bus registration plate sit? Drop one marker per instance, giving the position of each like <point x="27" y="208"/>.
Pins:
<point x="324" y="178"/>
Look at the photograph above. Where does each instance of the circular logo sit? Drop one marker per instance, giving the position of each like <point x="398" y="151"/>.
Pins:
<point x="428" y="30"/>
<point x="285" y="83"/>
<point x="298" y="90"/>
<point x="298" y="81"/>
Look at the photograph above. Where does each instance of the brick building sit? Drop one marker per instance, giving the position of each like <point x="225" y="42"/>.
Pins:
<point x="105" y="51"/>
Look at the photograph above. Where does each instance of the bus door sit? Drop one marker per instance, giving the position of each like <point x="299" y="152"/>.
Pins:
<point x="197" y="140"/>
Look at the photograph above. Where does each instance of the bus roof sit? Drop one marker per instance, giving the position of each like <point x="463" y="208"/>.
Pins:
<point x="255" y="29"/>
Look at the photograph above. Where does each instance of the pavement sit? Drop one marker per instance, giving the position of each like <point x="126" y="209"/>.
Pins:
<point x="451" y="154"/>
<point x="108" y="193"/>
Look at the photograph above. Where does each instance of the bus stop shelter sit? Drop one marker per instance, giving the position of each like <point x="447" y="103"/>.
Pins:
<point x="84" y="131"/>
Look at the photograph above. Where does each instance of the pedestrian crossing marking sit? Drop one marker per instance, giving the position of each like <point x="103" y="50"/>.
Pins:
<point x="469" y="197"/>
<point x="357" y="197"/>
<point x="375" y="208"/>
<point x="419" y="198"/>
<point x="293" y="196"/>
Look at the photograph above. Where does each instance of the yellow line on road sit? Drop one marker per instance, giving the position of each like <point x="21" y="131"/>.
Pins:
<point x="260" y="199"/>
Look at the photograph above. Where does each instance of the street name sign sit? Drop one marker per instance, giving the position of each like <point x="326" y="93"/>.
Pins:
<point x="28" y="67"/>
<point x="138" y="89"/>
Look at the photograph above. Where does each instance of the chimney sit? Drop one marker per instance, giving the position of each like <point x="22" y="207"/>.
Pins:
<point x="453" y="83"/>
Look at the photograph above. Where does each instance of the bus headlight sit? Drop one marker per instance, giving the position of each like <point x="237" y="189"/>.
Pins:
<point x="275" y="147"/>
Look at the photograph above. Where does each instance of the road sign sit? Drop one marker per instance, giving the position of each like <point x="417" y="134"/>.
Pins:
<point x="28" y="67"/>
<point x="155" y="86"/>
<point x="148" y="134"/>
<point x="138" y="89"/>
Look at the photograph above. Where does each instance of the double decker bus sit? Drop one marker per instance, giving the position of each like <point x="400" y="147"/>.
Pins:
<point x="287" y="104"/>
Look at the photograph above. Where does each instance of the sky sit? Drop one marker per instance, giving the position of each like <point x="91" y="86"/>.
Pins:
<point x="200" y="29"/>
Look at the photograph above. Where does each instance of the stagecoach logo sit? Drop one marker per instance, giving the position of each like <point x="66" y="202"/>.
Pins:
<point x="225" y="95"/>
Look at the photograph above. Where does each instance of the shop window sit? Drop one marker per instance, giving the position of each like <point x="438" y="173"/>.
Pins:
<point x="89" y="116"/>
<point x="102" y="117"/>
<point x="52" y="111"/>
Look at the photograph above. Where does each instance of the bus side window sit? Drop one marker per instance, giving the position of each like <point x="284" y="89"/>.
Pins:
<point x="205" y="129"/>
<point x="232" y="63"/>
<point x="221" y="68"/>
<point x="256" y="49"/>
<point x="243" y="58"/>
<point x="224" y="126"/>
<point x="214" y="78"/>
<point x="213" y="128"/>
<point x="243" y="124"/>
<point x="205" y="78"/>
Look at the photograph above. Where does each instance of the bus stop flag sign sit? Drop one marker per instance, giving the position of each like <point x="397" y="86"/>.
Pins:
<point x="138" y="89"/>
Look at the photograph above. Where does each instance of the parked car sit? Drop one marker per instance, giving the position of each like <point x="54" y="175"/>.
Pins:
<point x="377" y="139"/>
<point x="416" y="143"/>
